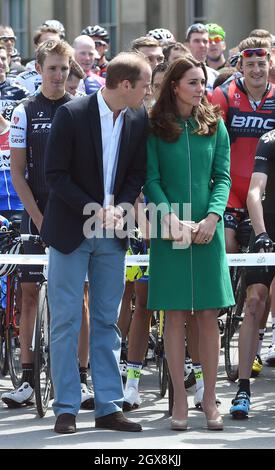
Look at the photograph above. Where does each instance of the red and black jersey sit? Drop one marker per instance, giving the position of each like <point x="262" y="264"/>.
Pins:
<point x="245" y="125"/>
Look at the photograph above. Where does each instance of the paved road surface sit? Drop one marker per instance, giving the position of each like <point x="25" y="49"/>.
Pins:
<point x="22" y="429"/>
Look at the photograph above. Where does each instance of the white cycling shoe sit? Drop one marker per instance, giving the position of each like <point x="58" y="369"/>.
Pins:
<point x="20" y="396"/>
<point x="131" y="399"/>
<point x="199" y="396"/>
<point x="270" y="358"/>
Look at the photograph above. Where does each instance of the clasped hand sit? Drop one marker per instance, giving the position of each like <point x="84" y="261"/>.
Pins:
<point x="205" y="230"/>
<point x="111" y="217"/>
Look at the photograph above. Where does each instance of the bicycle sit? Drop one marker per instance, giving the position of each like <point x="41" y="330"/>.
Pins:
<point x="235" y="314"/>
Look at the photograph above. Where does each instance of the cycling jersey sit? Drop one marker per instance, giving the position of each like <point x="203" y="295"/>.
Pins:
<point x="9" y="200"/>
<point x="246" y="123"/>
<point x="11" y="93"/>
<point x="29" y="79"/>
<point x="265" y="163"/>
<point x="30" y="126"/>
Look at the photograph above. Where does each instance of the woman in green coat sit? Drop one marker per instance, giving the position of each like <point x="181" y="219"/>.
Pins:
<point x="187" y="187"/>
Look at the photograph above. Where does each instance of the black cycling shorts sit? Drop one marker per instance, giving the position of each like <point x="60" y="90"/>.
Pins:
<point x="29" y="272"/>
<point x="262" y="274"/>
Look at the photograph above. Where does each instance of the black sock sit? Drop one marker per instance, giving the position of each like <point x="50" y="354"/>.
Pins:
<point x="28" y="373"/>
<point x="83" y="372"/>
<point x="244" y="386"/>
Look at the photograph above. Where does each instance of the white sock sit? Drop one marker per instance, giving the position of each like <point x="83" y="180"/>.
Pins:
<point x="198" y="375"/>
<point x="133" y="374"/>
<point x="260" y="343"/>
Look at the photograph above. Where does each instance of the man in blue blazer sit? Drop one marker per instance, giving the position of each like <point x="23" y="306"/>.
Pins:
<point x="95" y="161"/>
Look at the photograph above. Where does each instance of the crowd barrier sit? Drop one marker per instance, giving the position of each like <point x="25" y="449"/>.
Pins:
<point x="240" y="259"/>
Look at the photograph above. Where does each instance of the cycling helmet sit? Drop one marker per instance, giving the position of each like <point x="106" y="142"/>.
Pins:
<point x="162" y="35"/>
<point x="137" y="247"/>
<point x="96" y="31"/>
<point x="55" y="24"/>
<point x="215" y="30"/>
<point x="8" y="246"/>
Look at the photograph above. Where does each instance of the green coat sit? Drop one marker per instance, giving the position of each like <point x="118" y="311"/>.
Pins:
<point x="197" y="277"/>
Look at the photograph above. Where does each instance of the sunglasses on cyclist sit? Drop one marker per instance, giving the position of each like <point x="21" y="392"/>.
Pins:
<point x="259" y="52"/>
<point x="100" y="43"/>
<point x="215" y="39"/>
<point x="8" y="38"/>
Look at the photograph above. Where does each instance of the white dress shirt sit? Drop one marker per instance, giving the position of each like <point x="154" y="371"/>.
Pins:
<point x="111" y="137"/>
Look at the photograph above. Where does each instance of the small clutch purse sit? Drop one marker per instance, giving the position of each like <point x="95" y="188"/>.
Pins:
<point x="166" y="231"/>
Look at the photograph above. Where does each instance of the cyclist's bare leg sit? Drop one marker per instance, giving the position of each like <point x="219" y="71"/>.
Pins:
<point x="27" y="319"/>
<point x="125" y="315"/>
<point x="209" y="350"/>
<point x="83" y="342"/>
<point x="249" y="331"/>
<point x="140" y="326"/>
<point x="231" y="243"/>
<point x="174" y="344"/>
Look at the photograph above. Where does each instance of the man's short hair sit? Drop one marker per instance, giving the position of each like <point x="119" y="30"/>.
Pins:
<point x="144" y="41"/>
<point x="260" y="33"/>
<point x="125" y="66"/>
<point x="195" y="28"/>
<point x="177" y="46"/>
<point x="76" y="70"/>
<point x="52" y="47"/>
<point x="41" y="30"/>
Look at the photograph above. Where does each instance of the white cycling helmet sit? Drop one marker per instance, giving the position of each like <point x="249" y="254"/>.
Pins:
<point x="162" y="35"/>
<point x="56" y="24"/>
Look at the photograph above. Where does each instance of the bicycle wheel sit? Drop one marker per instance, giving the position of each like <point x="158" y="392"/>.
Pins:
<point x="4" y="367"/>
<point x="12" y="333"/>
<point x="233" y="323"/>
<point x="42" y="375"/>
<point x="163" y="375"/>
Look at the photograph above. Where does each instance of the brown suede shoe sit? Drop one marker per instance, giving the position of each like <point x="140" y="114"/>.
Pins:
<point x="117" y="422"/>
<point x="65" y="424"/>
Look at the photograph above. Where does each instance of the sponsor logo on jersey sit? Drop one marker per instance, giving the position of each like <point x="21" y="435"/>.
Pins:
<point x="4" y="161"/>
<point x="17" y="140"/>
<point x="269" y="137"/>
<point x="16" y="120"/>
<point x="253" y="122"/>
<point x="41" y="126"/>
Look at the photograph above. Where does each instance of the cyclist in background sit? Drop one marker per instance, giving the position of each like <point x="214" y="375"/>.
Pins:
<point x="101" y="39"/>
<point x="30" y="78"/>
<point x="217" y="46"/>
<point x="197" y="40"/>
<point x="30" y="126"/>
<point x="85" y="55"/>
<point x="248" y="105"/>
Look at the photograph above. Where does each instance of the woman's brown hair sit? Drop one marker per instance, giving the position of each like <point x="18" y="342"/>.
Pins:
<point x="165" y="115"/>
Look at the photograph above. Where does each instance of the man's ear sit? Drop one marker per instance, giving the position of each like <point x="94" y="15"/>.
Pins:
<point x="38" y="68"/>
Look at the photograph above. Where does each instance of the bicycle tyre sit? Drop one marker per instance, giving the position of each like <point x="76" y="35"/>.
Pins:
<point x="12" y="336"/>
<point x="233" y="322"/>
<point x="4" y="367"/>
<point x="163" y="375"/>
<point x="42" y="374"/>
